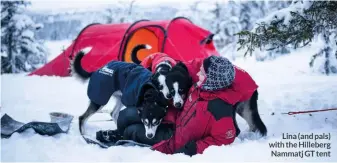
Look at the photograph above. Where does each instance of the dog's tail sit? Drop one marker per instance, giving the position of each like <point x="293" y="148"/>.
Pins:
<point x="77" y="68"/>
<point x="260" y="126"/>
<point x="135" y="50"/>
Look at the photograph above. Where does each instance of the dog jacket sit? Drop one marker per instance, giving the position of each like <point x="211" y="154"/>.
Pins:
<point x="154" y="59"/>
<point x="129" y="78"/>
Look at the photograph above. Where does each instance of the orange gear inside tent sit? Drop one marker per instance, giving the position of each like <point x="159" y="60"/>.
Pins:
<point x="141" y="36"/>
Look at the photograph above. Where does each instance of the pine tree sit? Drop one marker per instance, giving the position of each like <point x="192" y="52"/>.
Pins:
<point x="243" y="16"/>
<point x="297" y="26"/>
<point x="20" y="51"/>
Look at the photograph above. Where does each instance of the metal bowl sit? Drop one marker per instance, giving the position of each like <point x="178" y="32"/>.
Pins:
<point x="57" y="117"/>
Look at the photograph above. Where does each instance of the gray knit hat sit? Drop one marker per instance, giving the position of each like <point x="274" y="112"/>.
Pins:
<point x="220" y="73"/>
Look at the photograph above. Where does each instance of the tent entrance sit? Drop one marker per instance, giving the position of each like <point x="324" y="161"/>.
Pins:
<point x="152" y="36"/>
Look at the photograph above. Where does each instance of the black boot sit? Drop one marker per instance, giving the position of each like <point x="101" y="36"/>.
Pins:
<point x="108" y="136"/>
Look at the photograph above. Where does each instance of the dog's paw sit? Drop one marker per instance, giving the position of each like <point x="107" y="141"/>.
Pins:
<point x="108" y="136"/>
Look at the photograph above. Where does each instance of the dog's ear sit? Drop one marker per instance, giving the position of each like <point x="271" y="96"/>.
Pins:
<point x="182" y="65"/>
<point x="149" y="94"/>
<point x="145" y="94"/>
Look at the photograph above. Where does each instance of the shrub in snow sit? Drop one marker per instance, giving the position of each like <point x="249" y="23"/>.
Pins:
<point x="297" y="26"/>
<point x="20" y="51"/>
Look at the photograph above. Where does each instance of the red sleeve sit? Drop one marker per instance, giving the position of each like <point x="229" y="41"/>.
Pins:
<point x="222" y="133"/>
<point x="164" y="146"/>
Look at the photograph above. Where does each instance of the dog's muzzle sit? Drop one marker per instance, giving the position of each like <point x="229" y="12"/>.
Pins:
<point x="178" y="105"/>
<point x="150" y="135"/>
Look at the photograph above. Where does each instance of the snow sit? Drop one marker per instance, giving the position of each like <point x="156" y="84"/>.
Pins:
<point x="28" y="33"/>
<point x="56" y="47"/>
<point x="285" y="84"/>
<point x="3" y="53"/>
<point x="22" y="21"/>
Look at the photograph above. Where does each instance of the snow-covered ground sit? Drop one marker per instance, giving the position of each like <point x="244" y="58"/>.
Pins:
<point x="285" y="84"/>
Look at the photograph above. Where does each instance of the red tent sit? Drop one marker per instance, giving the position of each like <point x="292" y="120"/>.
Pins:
<point x="179" y="38"/>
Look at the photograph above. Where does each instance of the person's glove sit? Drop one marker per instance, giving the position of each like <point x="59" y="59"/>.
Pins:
<point x="189" y="148"/>
<point x="108" y="136"/>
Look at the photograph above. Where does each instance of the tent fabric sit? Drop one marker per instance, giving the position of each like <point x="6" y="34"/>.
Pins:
<point x="179" y="38"/>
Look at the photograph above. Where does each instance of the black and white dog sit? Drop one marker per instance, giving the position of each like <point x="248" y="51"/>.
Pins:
<point x="174" y="86"/>
<point x="131" y="84"/>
